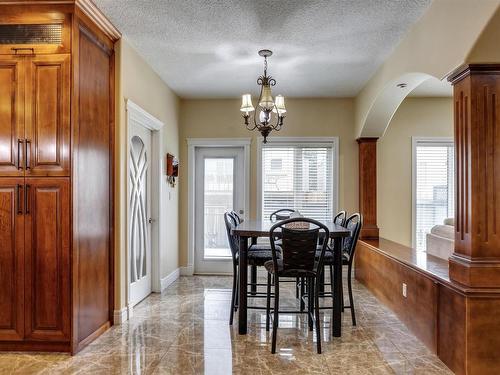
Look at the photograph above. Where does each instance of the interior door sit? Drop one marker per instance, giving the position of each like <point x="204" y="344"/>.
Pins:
<point x="219" y="187"/>
<point x="11" y="115"/>
<point x="139" y="213"/>
<point x="48" y="115"/>
<point x="47" y="260"/>
<point x="11" y="259"/>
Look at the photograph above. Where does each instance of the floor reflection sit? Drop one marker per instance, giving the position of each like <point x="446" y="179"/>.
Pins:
<point x="185" y="331"/>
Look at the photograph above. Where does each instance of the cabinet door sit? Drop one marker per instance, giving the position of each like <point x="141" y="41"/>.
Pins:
<point x="11" y="259"/>
<point x="47" y="238"/>
<point x="11" y="115"/>
<point x="48" y="115"/>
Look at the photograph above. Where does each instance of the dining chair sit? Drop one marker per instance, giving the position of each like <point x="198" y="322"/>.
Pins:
<point x="281" y="214"/>
<point x="296" y="257"/>
<point x="255" y="258"/>
<point x="354" y="224"/>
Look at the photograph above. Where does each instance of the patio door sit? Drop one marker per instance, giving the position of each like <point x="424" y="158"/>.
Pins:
<point x="219" y="187"/>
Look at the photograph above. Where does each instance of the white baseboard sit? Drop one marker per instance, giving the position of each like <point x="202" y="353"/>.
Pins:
<point x="187" y="270"/>
<point x="120" y="316"/>
<point x="169" y="279"/>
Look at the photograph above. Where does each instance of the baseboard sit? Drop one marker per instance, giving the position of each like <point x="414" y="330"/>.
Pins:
<point x="120" y="316"/>
<point x="169" y="279"/>
<point x="187" y="270"/>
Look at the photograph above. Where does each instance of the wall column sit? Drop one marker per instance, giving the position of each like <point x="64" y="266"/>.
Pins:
<point x="368" y="187"/>
<point x="476" y="260"/>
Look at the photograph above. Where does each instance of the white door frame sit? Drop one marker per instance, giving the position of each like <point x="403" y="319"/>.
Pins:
<point x="194" y="143"/>
<point x="137" y="115"/>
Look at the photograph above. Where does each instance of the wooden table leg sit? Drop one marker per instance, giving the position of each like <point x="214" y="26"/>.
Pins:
<point x="243" y="268"/>
<point x="253" y="273"/>
<point x="337" y="289"/>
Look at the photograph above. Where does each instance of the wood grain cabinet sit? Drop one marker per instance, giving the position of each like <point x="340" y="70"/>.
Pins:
<point x="56" y="175"/>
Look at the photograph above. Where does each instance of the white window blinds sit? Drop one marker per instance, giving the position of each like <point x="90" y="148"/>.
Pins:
<point x="434" y="185"/>
<point x="300" y="176"/>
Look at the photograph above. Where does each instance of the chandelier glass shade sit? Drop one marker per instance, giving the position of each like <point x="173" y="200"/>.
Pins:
<point x="270" y="113"/>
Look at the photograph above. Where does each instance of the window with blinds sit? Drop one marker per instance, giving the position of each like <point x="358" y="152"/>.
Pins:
<point x="434" y="186"/>
<point x="300" y="176"/>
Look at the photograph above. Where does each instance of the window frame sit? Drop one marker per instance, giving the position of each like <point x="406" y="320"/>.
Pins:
<point x="332" y="142"/>
<point x="416" y="141"/>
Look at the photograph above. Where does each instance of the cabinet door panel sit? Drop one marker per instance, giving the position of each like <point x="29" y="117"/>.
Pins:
<point x="47" y="259"/>
<point x="11" y="115"/>
<point x="11" y="259"/>
<point x="48" y="116"/>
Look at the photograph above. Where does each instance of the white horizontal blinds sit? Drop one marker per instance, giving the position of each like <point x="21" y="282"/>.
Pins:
<point x="434" y="187"/>
<point x="298" y="176"/>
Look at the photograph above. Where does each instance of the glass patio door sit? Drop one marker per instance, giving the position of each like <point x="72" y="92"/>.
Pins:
<point x="219" y="179"/>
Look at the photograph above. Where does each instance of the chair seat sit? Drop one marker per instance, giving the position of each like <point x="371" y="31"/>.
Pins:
<point x="269" y="265"/>
<point x="259" y="247"/>
<point x="328" y="258"/>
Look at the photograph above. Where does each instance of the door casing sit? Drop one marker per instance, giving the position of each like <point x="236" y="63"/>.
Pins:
<point x="137" y="115"/>
<point x="194" y="143"/>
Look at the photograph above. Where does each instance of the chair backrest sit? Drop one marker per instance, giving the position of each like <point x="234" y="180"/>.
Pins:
<point x="238" y="218"/>
<point x="299" y="240"/>
<point x="282" y="214"/>
<point x="354" y="224"/>
<point x="231" y="223"/>
<point x="339" y="219"/>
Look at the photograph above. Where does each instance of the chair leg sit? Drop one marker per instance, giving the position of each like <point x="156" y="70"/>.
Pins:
<point x="297" y="291"/>
<point x="316" y="318"/>
<point x="331" y="285"/>
<point x="302" y="292"/>
<point x="276" y="313"/>
<point x="253" y="279"/>
<point x="310" y="299"/>
<point x="351" y="299"/>
<point x="268" y="301"/>
<point x="233" y="294"/>
<point x="237" y="302"/>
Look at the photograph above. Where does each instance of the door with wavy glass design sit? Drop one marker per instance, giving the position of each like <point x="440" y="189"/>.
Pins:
<point x="139" y="213"/>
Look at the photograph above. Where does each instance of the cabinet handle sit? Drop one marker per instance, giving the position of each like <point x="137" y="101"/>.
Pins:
<point x="27" y="199"/>
<point x="18" y="199"/>
<point x="19" y="143"/>
<point x="21" y="49"/>
<point x="27" y="153"/>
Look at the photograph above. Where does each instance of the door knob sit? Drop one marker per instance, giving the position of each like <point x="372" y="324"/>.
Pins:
<point x="151" y="220"/>
<point x="242" y="212"/>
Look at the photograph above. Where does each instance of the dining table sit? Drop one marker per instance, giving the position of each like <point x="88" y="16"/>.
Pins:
<point x="253" y="229"/>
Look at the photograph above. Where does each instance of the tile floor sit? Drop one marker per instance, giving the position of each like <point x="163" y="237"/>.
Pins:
<point x="185" y="331"/>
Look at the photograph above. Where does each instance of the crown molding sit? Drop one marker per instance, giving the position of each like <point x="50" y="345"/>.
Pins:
<point x="94" y="13"/>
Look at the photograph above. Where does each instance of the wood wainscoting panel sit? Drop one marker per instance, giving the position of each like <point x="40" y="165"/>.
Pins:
<point x="385" y="277"/>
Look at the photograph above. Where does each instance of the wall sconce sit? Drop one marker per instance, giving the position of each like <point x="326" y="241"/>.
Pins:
<point x="172" y="169"/>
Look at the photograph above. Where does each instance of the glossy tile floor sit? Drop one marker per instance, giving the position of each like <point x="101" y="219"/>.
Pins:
<point x="185" y="331"/>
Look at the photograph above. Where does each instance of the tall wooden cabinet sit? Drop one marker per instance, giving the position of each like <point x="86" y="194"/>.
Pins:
<point x="56" y="175"/>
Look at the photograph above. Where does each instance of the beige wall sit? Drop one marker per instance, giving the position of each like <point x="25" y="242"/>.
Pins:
<point x="424" y="117"/>
<point x="438" y="43"/>
<point x="305" y="117"/>
<point x="135" y="80"/>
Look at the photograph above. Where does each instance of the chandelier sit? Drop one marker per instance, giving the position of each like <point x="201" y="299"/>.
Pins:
<point x="271" y="113"/>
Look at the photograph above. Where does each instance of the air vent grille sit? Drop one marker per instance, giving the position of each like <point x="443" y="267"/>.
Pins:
<point x="31" y="34"/>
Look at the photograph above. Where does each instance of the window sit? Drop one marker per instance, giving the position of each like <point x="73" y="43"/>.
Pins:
<point x="434" y="180"/>
<point x="300" y="175"/>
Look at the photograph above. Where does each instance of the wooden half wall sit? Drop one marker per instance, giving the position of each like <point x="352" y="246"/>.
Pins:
<point x="459" y="324"/>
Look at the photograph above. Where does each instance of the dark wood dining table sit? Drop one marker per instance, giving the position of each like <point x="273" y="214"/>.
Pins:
<point x="257" y="228"/>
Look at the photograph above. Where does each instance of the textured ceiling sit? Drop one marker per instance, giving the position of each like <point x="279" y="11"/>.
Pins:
<point x="208" y="48"/>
